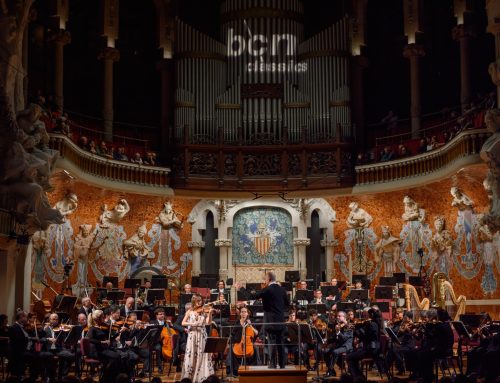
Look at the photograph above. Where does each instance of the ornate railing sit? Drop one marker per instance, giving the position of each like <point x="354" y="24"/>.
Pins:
<point x="467" y="143"/>
<point x="263" y="165"/>
<point x="108" y="169"/>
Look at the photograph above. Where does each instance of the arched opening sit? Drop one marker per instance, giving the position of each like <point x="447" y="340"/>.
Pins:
<point x="315" y="253"/>
<point x="209" y="260"/>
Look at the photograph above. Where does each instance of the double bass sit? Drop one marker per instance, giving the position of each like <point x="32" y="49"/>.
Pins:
<point x="167" y="338"/>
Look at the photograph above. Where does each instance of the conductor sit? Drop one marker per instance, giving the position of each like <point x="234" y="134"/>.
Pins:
<point x="274" y="302"/>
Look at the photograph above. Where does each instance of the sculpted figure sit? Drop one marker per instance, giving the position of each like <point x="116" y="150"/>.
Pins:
<point x="115" y="215"/>
<point x="387" y="250"/>
<point x="490" y="153"/>
<point x="35" y="140"/>
<point x="412" y="210"/>
<point x="461" y="200"/>
<point x="81" y="249"/>
<point x="441" y="246"/>
<point x="67" y="205"/>
<point x="168" y="218"/>
<point x="358" y="218"/>
<point x="136" y="246"/>
<point x="39" y="243"/>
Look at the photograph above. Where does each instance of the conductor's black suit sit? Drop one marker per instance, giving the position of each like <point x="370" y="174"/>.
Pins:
<point x="275" y="301"/>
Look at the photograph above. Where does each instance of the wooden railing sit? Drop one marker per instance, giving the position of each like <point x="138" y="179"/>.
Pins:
<point x="109" y="169"/>
<point x="467" y="143"/>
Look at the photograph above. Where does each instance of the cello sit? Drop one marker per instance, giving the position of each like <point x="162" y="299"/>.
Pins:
<point x="245" y="347"/>
<point x="167" y="338"/>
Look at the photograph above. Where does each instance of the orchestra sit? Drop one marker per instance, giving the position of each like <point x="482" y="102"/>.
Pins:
<point x="343" y="328"/>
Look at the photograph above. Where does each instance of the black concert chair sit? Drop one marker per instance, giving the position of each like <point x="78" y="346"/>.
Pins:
<point x="379" y="360"/>
<point x="91" y="363"/>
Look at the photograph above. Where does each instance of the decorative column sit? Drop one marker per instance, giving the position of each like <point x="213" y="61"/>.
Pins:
<point x="108" y="56"/>
<point x="493" y="11"/>
<point x="225" y="244"/>
<point x="166" y="69"/>
<point x="195" y="247"/>
<point x="329" y="245"/>
<point x="413" y="52"/>
<point x="358" y="64"/>
<point x="110" y="29"/>
<point x="8" y="277"/>
<point x="463" y="34"/>
<point x="300" y="245"/>
<point x="59" y="38"/>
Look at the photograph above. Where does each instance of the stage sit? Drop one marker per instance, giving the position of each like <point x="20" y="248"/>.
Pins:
<point x="263" y="374"/>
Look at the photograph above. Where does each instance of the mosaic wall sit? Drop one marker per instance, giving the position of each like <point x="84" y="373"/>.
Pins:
<point x="262" y="236"/>
<point x="445" y="226"/>
<point x="149" y="236"/>
<point x="106" y="236"/>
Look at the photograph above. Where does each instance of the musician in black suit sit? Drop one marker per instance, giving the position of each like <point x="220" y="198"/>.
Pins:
<point x="159" y="321"/>
<point x="340" y="337"/>
<point x="86" y="307"/>
<point x="274" y="301"/>
<point x="368" y="332"/>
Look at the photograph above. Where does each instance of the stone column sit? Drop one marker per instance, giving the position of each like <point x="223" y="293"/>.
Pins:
<point x="300" y="245"/>
<point x="358" y="65"/>
<point x="493" y="11"/>
<point x="463" y="34"/>
<point x="413" y="52"/>
<point x="8" y="277"/>
<point x="329" y="245"/>
<point x="166" y="69"/>
<point x="59" y="38"/>
<point x="225" y="244"/>
<point x="195" y="247"/>
<point x="108" y="56"/>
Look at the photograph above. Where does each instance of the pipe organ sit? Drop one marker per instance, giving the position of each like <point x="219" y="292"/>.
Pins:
<point x="261" y="79"/>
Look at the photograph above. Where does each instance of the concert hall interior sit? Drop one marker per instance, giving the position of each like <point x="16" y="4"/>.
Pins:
<point x="249" y="190"/>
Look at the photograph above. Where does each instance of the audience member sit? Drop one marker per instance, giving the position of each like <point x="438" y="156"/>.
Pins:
<point x="387" y="154"/>
<point x="423" y="146"/>
<point x="92" y="148"/>
<point x="137" y="158"/>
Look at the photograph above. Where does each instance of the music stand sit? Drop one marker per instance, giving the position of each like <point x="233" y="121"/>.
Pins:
<point x="195" y="281"/>
<point x="73" y="335"/>
<point x="185" y="298"/>
<point x="360" y="294"/>
<point x="159" y="283"/>
<point x="304" y="295"/>
<point x="394" y="340"/>
<point x="459" y="326"/>
<point x="310" y="284"/>
<point x="288" y="286"/>
<point x="319" y="307"/>
<point x="292" y="276"/>
<point x="225" y="311"/>
<point x="346" y="306"/>
<point x="254" y="286"/>
<point x="155" y="295"/>
<point x="113" y="280"/>
<point x="215" y="297"/>
<point x="387" y="281"/>
<point x="329" y="290"/>
<point x="115" y="296"/>
<point x="400" y="277"/>
<point x="383" y="292"/>
<point x="139" y="314"/>
<point x="415" y="281"/>
<point x="215" y="345"/>
<point x="66" y="303"/>
<point x="383" y="307"/>
<point x="132" y="283"/>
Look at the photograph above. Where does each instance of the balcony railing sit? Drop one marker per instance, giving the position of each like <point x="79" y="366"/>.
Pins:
<point x="108" y="169"/>
<point x="467" y="143"/>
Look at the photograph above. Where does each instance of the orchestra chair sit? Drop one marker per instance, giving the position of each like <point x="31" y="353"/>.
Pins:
<point x="380" y="360"/>
<point x="4" y="352"/>
<point x="91" y="363"/>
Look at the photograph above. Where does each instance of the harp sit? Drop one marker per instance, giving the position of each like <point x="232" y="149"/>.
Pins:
<point x="413" y="301"/>
<point x="443" y="294"/>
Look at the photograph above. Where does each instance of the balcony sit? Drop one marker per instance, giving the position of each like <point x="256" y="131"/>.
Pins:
<point x="108" y="173"/>
<point x="427" y="167"/>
